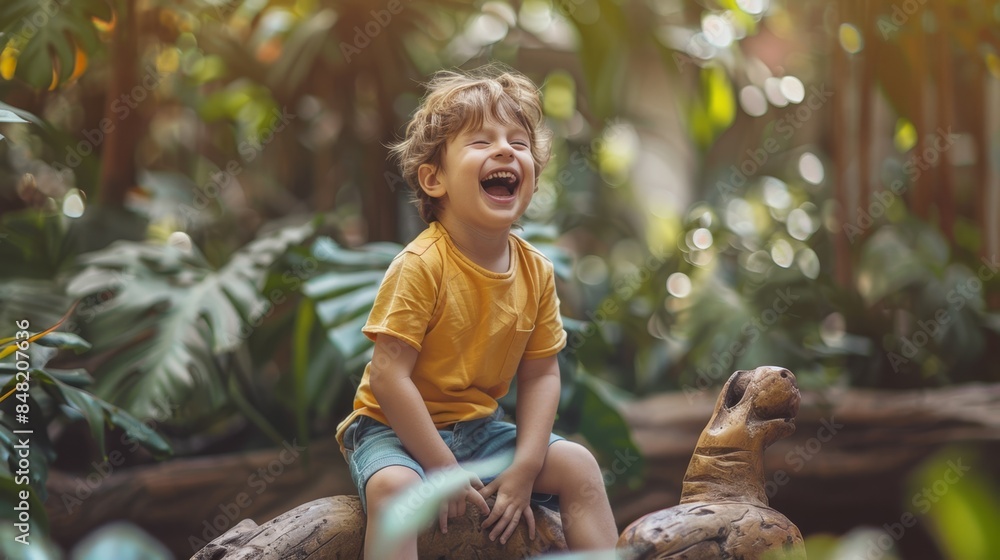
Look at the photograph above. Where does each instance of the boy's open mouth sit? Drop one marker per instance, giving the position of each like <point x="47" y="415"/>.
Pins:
<point x="501" y="183"/>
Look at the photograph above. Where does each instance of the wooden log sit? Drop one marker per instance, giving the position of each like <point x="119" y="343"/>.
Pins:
<point x="856" y="476"/>
<point x="334" y="529"/>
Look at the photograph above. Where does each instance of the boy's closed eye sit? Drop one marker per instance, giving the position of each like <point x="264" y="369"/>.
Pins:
<point x="514" y="143"/>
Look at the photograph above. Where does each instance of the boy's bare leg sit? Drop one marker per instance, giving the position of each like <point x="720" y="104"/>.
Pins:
<point x="382" y="487"/>
<point x="571" y="472"/>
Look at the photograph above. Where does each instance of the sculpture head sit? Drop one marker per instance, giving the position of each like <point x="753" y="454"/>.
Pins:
<point x="755" y="408"/>
<point x="723" y="510"/>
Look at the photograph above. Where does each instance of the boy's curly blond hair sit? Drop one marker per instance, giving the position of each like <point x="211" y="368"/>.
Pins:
<point x="456" y="102"/>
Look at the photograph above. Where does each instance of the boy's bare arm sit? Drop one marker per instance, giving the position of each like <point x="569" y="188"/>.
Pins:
<point x="392" y="366"/>
<point x="537" y="400"/>
<point x="391" y="371"/>
<point x="538" y="388"/>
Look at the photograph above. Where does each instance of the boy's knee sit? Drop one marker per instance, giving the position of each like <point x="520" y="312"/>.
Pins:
<point x="389" y="482"/>
<point x="579" y="461"/>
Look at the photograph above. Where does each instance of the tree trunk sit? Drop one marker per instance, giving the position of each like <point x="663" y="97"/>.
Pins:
<point x="118" y="165"/>
<point x="923" y="183"/>
<point x="867" y="61"/>
<point x="841" y="131"/>
<point x="945" y="190"/>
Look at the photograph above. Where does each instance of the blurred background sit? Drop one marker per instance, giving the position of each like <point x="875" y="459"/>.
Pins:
<point x="196" y="208"/>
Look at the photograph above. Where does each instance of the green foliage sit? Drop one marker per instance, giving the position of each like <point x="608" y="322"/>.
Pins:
<point x="955" y="493"/>
<point x="343" y="293"/>
<point x="605" y="35"/>
<point x="52" y="394"/>
<point x="175" y="327"/>
<point x="37" y="242"/>
<point x="928" y="308"/>
<point x="758" y="289"/>
<point x="48" y="35"/>
<point x="713" y="110"/>
<point x="592" y="410"/>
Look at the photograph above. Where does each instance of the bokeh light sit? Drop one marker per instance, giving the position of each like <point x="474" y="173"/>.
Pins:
<point x="772" y="90"/>
<point x="758" y="262"/>
<point x="800" y="225"/>
<point x="717" y="30"/>
<point x="792" y="89"/>
<point x="753" y="7"/>
<point x="702" y="238"/>
<point x="832" y="329"/>
<point x="592" y="270"/>
<point x="486" y="29"/>
<point x="808" y="262"/>
<point x="73" y="204"/>
<point x="752" y="101"/>
<point x="811" y="168"/>
<point x="776" y="193"/>
<point x="782" y="253"/>
<point x="181" y="241"/>
<point x="850" y="38"/>
<point x="739" y="217"/>
<point x="679" y="285"/>
<point x="905" y="136"/>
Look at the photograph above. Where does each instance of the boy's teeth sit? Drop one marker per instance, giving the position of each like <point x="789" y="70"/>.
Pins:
<point x="498" y="174"/>
<point x="500" y="183"/>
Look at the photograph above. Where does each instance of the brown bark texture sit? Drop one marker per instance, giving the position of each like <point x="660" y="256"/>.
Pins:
<point x="334" y="529"/>
<point x="846" y="465"/>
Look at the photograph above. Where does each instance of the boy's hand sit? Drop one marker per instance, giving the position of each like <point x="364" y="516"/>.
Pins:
<point x="513" y="501"/>
<point x="456" y="505"/>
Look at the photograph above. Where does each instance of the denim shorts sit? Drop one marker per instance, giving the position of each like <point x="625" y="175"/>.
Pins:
<point x="371" y="446"/>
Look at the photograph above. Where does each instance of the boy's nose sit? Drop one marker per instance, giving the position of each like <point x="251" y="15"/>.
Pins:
<point x="504" y="150"/>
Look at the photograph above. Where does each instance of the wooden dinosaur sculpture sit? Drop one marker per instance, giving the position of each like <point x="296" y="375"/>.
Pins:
<point x="723" y="511"/>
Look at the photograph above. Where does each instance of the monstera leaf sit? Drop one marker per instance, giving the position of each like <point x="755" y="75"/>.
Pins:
<point x="345" y="292"/>
<point x="170" y="322"/>
<point x="51" y="39"/>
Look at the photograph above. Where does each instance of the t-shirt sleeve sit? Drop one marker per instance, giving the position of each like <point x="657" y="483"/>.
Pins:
<point x="405" y="301"/>
<point x="548" y="337"/>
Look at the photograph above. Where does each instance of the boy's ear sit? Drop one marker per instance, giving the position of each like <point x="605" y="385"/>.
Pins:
<point x="429" y="177"/>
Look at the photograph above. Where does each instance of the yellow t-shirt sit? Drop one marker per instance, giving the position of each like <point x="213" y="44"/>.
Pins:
<point x="471" y="326"/>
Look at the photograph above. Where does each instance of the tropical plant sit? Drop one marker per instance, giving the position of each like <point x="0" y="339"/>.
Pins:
<point x="50" y="40"/>
<point x="173" y="329"/>
<point x="753" y="287"/>
<point x="36" y="397"/>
